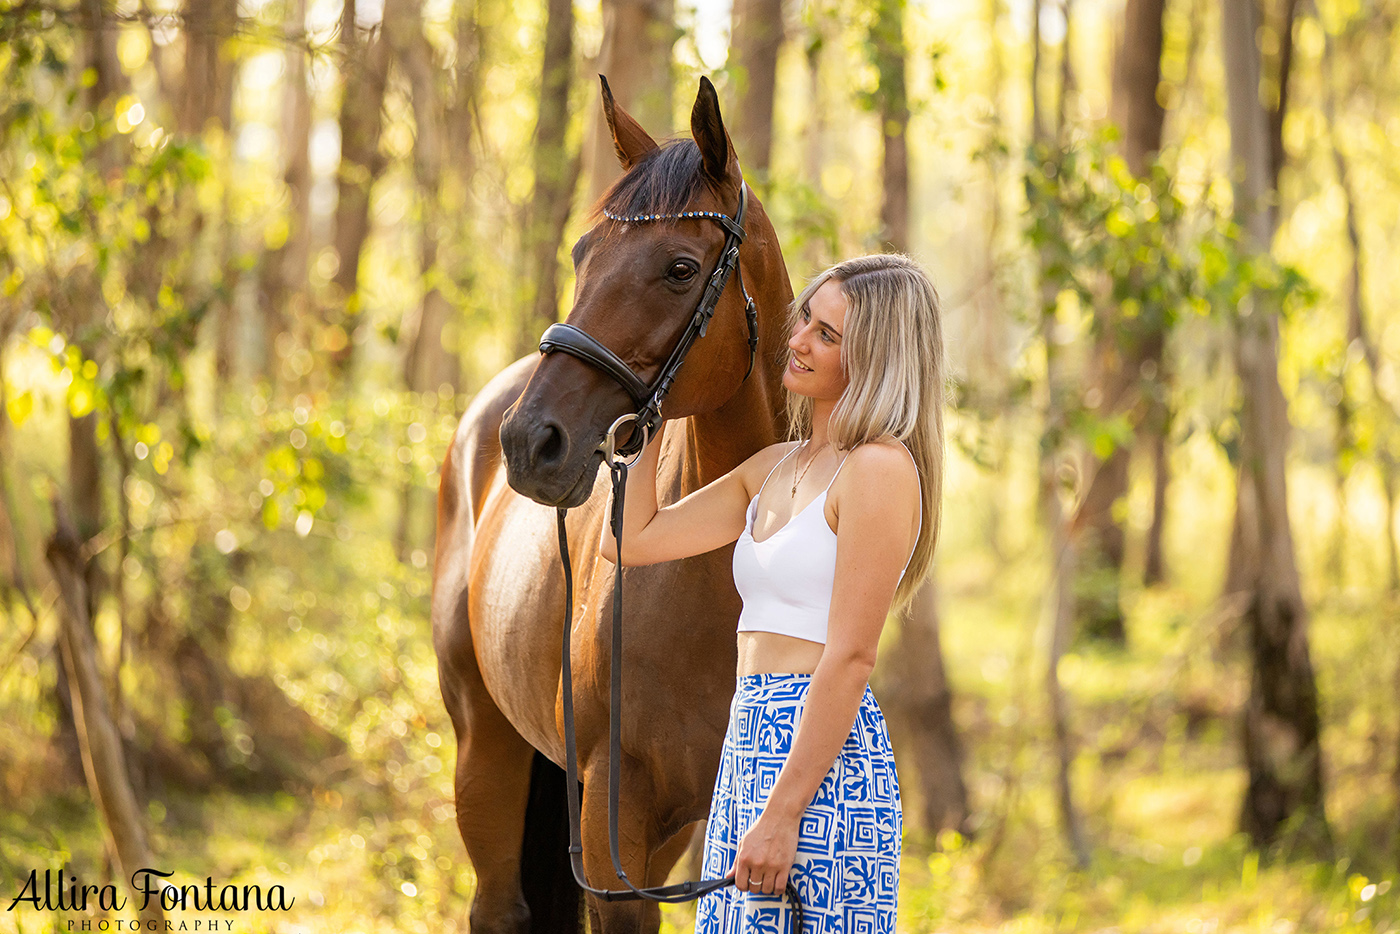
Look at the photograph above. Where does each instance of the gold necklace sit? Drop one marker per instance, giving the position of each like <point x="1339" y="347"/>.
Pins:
<point x="798" y="479"/>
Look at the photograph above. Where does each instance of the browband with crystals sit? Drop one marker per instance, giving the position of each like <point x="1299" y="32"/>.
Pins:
<point x="724" y="219"/>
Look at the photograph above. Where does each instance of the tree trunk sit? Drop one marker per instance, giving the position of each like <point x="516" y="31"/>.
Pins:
<point x="887" y="40"/>
<point x="1156" y="427"/>
<point x="923" y="700"/>
<point x="84" y="308"/>
<point x="915" y="687"/>
<point x="207" y="92"/>
<point x="636" y="59"/>
<point x="1046" y="141"/>
<point x="1137" y="70"/>
<point x="1281" y="731"/>
<point x="426" y="363"/>
<point x="1121" y="349"/>
<point x="812" y="251"/>
<point x="757" y="34"/>
<point x="556" y="176"/>
<point x="104" y="763"/>
<point x="282" y="283"/>
<point x="365" y="72"/>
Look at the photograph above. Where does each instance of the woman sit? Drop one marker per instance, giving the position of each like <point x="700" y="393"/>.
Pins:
<point x="807" y="784"/>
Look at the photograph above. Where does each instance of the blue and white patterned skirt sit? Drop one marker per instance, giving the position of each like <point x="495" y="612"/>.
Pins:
<point x="847" y="868"/>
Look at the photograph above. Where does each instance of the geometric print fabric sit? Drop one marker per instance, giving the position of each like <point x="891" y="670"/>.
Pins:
<point x="847" y="868"/>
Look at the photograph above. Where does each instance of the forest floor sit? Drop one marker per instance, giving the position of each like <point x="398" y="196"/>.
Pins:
<point x="1157" y="775"/>
<point x="1157" y="779"/>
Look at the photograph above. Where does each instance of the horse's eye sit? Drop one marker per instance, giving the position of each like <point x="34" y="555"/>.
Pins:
<point x="681" y="271"/>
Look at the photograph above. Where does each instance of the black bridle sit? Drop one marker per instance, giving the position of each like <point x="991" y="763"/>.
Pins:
<point x="648" y="398"/>
<point x="578" y="343"/>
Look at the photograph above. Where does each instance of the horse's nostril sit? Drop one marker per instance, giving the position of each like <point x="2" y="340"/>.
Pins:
<point x="551" y="445"/>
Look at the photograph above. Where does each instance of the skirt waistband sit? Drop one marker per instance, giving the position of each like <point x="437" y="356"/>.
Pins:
<point x="769" y="686"/>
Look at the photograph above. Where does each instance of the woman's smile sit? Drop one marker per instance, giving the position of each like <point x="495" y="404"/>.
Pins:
<point x="814" y="345"/>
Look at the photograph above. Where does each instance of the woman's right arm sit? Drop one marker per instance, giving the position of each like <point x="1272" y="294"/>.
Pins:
<point x="703" y="521"/>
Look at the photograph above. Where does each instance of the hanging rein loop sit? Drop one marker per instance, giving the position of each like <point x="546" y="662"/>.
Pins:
<point x="681" y="891"/>
<point x="645" y="422"/>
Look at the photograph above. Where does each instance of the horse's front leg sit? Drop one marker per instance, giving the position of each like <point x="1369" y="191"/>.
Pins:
<point x="492" y="788"/>
<point x="646" y="856"/>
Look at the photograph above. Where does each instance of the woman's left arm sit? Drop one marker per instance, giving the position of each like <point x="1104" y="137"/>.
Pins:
<point x="880" y="490"/>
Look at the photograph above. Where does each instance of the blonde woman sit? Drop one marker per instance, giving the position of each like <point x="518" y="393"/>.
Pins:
<point x="833" y="529"/>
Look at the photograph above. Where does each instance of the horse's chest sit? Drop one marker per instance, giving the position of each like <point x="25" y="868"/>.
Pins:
<point x="516" y="613"/>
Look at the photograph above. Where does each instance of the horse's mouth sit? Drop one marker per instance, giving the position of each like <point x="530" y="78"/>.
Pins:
<point x="582" y="488"/>
<point x="539" y="487"/>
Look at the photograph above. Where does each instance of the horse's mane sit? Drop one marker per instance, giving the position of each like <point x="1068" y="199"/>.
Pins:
<point x="664" y="181"/>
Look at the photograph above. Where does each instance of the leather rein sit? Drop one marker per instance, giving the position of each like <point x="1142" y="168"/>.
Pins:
<point x="567" y="338"/>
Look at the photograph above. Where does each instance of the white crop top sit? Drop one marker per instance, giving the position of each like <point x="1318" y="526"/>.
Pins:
<point x="786" y="579"/>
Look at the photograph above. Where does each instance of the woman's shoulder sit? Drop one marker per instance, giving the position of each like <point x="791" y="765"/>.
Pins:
<point x="761" y="463"/>
<point x="882" y="462"/>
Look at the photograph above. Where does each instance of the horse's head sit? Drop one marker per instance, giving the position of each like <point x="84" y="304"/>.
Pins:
<point x="638" y="285"/>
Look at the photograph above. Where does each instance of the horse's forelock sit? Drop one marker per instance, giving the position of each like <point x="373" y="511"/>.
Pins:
<point x="665" y="181"/>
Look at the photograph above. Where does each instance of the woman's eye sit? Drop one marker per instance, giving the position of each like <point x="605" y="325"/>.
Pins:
<point x="681" y="271"/>
<point x="826" y="337"/>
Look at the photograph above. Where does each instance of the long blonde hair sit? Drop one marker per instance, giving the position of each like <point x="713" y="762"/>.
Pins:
<point x="892" y="356"/>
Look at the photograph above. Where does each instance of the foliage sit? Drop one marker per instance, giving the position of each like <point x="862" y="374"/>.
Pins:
<point x="1125" y="259"/>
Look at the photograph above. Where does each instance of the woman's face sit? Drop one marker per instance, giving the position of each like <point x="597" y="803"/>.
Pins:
<point x="814" y="360"/>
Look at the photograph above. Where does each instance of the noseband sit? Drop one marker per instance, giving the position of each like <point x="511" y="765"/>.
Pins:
<point x="648" y="398"/>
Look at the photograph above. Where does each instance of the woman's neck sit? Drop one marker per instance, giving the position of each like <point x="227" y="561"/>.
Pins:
<point x="821" y="419"/>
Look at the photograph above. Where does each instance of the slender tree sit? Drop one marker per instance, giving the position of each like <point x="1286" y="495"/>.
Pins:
<point x="1281" y="732"/>
<point x="282" y="282"/>
<point x="635" y="57"/>
<point x="365" y="72"/>
<point x="204" y="102"/>
<point x="756" y="34"/>
<point x="104" y="762"/>
<point x="1046" y="130"/>
<point x="1124" y="347"/>
<point x="916" y="682"/>
<point x="892" y="106"/>
<point x="556" y="177"/>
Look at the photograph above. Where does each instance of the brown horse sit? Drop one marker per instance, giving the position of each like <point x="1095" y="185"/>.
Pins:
<point x="498" y="585"/>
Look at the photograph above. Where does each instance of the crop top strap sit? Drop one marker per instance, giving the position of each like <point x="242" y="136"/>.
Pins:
<point x="838" y="470"/>
<point x="775" y="467"/>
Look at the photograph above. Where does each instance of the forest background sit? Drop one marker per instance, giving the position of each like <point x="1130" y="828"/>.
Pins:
<point x="255" y="258"/>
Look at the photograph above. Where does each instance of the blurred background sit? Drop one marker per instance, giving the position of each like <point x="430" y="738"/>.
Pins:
<point x="257" y="255"/>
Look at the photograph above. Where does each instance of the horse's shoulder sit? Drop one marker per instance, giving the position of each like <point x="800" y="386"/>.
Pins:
<point x="476" y="446"/>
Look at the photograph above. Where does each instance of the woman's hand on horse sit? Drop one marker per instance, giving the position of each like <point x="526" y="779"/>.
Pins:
<point x="766" y="855"/>
<point x="702" y="521"/>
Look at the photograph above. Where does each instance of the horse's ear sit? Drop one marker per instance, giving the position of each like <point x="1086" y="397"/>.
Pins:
<point x="631" y="141"/>
<point x="716" y="150"/>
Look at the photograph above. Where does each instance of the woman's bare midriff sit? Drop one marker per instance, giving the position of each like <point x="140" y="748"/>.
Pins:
<point x="772" y="653"/>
